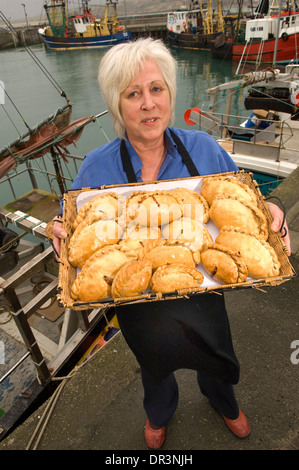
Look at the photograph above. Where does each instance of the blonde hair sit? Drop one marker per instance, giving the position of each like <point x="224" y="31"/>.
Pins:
<point x="120" y="65"/>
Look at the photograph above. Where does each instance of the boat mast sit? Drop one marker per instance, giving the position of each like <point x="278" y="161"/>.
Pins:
<point x="56" y="14"/>
<point x="277" y="34"/>
<point x="220" y="22"/>
<point x="210" y="17"/>
<point x="67" y="13"/>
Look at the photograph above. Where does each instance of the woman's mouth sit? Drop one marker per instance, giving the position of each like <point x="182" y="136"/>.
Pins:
<point x="149" y="120"/>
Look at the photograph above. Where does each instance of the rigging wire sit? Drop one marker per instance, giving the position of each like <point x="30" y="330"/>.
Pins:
<point x="15" y="107"/>
<point x="42" y="67"/>
<point x="10" y="119"/>
<point x="46" y="72"/>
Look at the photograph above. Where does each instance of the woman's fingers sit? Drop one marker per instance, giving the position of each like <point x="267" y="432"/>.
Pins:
<point x="279" y="223"/>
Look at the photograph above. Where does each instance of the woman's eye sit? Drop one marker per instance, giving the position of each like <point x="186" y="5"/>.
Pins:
<point x="132" y="94"/>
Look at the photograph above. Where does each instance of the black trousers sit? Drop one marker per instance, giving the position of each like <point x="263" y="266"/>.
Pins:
<point x="161" y="396"/>
<point x="193" y="334"/>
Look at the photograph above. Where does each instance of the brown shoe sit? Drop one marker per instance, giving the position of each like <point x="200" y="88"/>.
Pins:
<point x="154" y="438"/>
<point x="240" y="426"/>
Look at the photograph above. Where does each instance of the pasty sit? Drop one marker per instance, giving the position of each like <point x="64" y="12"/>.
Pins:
<point x="189" y="231"/>
<point x="91" y="235"/>
<point x="194" y="205"/>
<point x="140" y="240"/>
<point x="105" y="206"/>
<point x="175" y="277"/>
<point x="231" y="210"/>
<point x="259" y="256"/>
<point x="132" y="279"/>
<point x="214" y="186"/>
<point x="166" y="254"/>
<point x="95" y="278"/>
<point x="224" y="265"/>
<point x="153" y="208"/>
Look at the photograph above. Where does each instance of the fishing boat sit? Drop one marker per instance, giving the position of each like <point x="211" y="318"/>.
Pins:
<point x="196" y="28"/>
<point x="265" y="142"/>
<point x="81" y="31"/>
<point x="269" y="38"/>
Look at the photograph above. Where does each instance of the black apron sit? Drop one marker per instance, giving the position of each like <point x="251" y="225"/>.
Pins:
<point x="184" y="333"/>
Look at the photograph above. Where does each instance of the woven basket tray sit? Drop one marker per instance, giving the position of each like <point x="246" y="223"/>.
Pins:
<point x="68" y="273"/>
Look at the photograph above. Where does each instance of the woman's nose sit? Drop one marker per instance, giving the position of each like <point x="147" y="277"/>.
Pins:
<point x="147" y="101"/>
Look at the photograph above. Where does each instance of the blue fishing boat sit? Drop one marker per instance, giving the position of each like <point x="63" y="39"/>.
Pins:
<point x="81" y="31"/>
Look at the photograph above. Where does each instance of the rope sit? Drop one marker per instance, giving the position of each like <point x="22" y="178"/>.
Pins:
<point x="45" y="418"/>
<point x="20" y="159"/>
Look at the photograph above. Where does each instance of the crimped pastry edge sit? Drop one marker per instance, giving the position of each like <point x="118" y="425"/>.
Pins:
<point x="263" y="242"/>
<point x="260" y="216"/>
<point x="131" y="268"/>
<point x="197" y="195"/>
<point x="166" y="270"/>
<point x="237" y="259"/>
<point x="230" y="179"/>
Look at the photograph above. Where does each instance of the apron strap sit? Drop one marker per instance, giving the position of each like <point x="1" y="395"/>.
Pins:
<point x="128" y="167"/>
<point x="185" y="155"/>
<point x="127" y="164"/>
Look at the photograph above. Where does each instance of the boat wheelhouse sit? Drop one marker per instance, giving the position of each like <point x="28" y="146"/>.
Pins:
<point x="82" y="30"/>
<point x="195" y="28"/>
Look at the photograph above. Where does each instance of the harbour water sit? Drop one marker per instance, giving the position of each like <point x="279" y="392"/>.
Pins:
<point x="35" y="97"/>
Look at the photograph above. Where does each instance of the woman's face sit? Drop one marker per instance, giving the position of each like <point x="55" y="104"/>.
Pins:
<point x="145" y="105"/>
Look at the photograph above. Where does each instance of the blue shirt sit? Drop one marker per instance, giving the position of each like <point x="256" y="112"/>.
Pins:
<point x="103" y="166"/>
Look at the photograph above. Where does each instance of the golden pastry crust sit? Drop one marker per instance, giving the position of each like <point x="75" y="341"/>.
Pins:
<point x="214" y="186"/>
<point x="192" y="247"/>
<point x="224" y="265"/>
<point x="153" y="208"/>
<point x="259" y="256"/>
<point x="140" y="240"/>
<point x="104" y="206"/>
<point x="132" y="279"/>
<point x="189" y="232"/>
<point x="91" y="235"/>
<point x="95" y="279"/>
<point x="175" y="277"/>
<point x="170" y="254"/>
<point x="194" y="204"/>
<point x="232" y="210"/>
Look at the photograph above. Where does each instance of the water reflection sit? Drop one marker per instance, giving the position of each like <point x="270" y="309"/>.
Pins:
<point x="76" y="74"/>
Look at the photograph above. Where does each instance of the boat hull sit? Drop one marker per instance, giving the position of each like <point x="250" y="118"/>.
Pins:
<point x="223" y="52"/>
<point x="192" y="41"/>
<point x="70" y="43"/>
<point x="264" y="51"/>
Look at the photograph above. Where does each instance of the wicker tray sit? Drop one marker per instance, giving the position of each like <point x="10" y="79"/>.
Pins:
<point x="68" y="273"/>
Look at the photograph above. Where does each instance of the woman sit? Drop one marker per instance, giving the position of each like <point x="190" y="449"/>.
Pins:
<point x="138" y="83"/>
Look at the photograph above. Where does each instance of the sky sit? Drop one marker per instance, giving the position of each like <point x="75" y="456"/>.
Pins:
<point x="14" y="10"/>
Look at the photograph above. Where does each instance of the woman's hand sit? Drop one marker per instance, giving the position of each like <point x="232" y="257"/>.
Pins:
<point x="57" y="234"/>
<point x="276" y="225"/>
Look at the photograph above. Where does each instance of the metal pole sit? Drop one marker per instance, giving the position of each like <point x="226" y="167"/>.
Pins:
<point x="28" y="337"/>
<point x="277" y="34"/>
<point x="15" y="366"/>
<point x="23" y="5"/>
